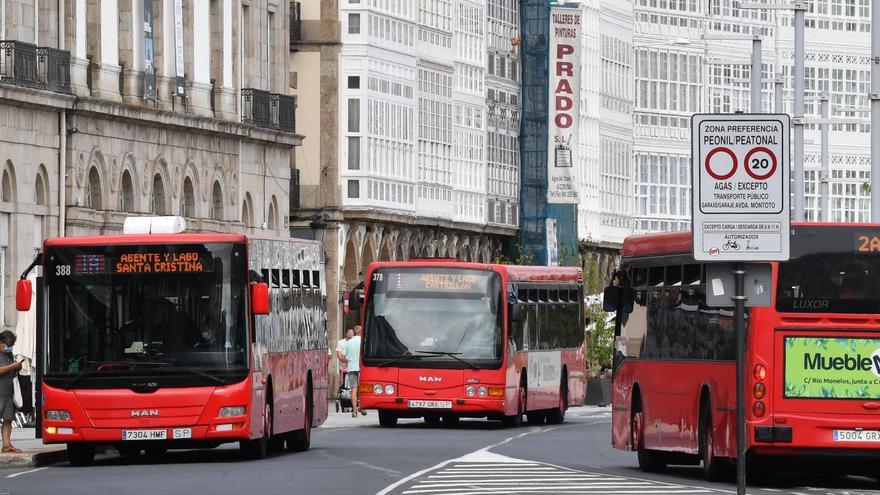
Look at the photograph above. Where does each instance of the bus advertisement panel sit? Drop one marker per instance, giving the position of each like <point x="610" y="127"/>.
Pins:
<point x="445" y="340"/>
<point x="153" y="342"/>
<point x="812" y="357"/>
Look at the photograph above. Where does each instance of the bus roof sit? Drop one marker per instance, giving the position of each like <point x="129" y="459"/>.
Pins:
<point x="518" y="273"/>
<point x="662" y="243"/>
<point x="100" y="240"/>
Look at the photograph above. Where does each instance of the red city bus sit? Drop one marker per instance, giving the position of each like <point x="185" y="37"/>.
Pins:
<point x="156" y="341"/>
<point x="447" y="339"/>
<point x="812" y="358"/>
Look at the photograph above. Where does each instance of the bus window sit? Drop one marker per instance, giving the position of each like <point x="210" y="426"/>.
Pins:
<point x="294" y="275"/>
<point x="639" y="277"/>
<point x="285" y="278"/>
<point x="691" y="274"/>
<point x="655" y="276"/>
<point x="316" y="279"/>
<point x="265" y="274"/>
<point x="635" y="327"/>
<point x="306" y="279"/>
<point x="553" y="295"/>
<point x="276" y="278"/>
<point x="543" y="294"/>
<point x="673" y="275"/>
<point x="531" y="319"/>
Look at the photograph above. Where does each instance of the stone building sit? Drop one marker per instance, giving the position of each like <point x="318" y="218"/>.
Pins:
<point x="112" y="108"/>
<point x="395" y="98"/>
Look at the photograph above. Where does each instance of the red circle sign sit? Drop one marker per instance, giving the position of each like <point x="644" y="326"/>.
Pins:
<point x="760" y="168"/>
<point x="716" y="175"/>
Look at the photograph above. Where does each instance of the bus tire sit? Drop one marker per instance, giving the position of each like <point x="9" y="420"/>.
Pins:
<point x="557" y="415"/>
<point x="300" y="440"/>
<point x="536" y="418"/>
<point x="515" y="421"/>
<point x="450" y="420"/>
<point x="80" y="454"/>
<point x="713" y="466"/>
<point x="432" y="419"/>
<point x="387" y="419"/>
<point x="258" y="448"/>
<point x="649" y="461"/>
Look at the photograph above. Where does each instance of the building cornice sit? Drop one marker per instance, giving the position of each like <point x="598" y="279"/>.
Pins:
<point x="349" y="215"/>
<point x="36" y="98"/>
<point x="154" y="117"/>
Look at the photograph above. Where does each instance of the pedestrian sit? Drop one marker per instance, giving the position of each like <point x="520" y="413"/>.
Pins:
<point x="8" y="372"/>
<point x="340" y="350"/>
<point x="353" y="357"/>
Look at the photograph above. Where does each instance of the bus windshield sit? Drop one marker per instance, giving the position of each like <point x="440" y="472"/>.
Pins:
<point x="163" y="310"/>
<point x="832" y="270"/>
<point x="443" y="316"/>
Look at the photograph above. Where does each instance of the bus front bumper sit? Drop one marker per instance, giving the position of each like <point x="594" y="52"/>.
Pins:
<point x="173" y="435"/>
<point x="417" y="407"/>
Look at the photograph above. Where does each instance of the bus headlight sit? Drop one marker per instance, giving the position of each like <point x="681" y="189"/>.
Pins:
<point x="55" y="415"/>
<point x="377" y="389"/>
<point x="389" y="389"/>
<point x="470" y="390"/>
<point x="226" y="412"/>
<point x="482" y="391"/>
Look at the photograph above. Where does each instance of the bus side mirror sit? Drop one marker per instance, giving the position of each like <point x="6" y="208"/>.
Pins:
<point x="260" y="298"/>
<point x="515" y="312"/>
<point x="587" y="321"/>
<point x="23" y="292"/>
<point x="611" y="298"/>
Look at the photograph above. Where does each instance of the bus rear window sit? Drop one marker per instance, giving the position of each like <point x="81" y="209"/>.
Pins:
<point x="829" y="283"/>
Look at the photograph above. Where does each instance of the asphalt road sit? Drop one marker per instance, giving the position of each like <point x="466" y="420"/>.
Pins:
<point x="477" y="457"/>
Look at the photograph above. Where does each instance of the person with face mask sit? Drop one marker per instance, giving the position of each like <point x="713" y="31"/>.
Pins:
<point x="8" y="372"/>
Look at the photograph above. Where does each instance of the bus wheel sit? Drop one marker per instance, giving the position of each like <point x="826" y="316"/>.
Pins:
<point x="515" y="421"/>
<point x="450" y="419"/>
<point x="258" y="448"/>
<point x="80" y="455"/>
<point x="387" y="419"/>
<point x="713" y="468"/>
<point x="649" y="461"/>
<point x="432" y="419"/>
<point x="129" y="451"/>
<point x="300" y="440"/>
<point x="155" y="453"/>
<point x="557" y="415"/>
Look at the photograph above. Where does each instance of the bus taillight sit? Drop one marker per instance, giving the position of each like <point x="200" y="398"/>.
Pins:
<point x="759" y="391"/>
<point x="760" y="372"/>
<point x="759" y="409"/>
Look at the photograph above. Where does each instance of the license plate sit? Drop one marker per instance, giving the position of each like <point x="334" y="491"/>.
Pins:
<point x="431" y="404"/>
<point x="178" y="433"/>
<point x="856" y="436"/>
<point x="144" y="434"/>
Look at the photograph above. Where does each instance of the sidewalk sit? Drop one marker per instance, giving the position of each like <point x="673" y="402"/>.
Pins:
<point x="34" y="453"/>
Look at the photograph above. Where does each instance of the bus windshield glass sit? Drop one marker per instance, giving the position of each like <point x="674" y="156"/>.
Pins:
<point x="145" y="310"/>
<point x="447" y="317"/>
<point x="832" y="270"/>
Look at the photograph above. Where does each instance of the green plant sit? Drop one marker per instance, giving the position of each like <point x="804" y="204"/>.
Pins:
<point x="600" y="339"/>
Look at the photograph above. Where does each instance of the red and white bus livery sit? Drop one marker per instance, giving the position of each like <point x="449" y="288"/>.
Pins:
<point x="446" y="339"/>
<point x="155" y="341"/>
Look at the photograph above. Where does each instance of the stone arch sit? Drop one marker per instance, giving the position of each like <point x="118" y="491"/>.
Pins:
<point x="41" y="186"/>
<point x="188" y="198"/>
<point x="160" y="195"/>
<point x="247" y="210"/>
<point x="486" y="255"/>
<point x="7" y="184"/>
<point x="369" y="255"/>
<point x="350" y="262"/>
<point x="386" y="252"/>
<point x="216" y="204"/>
<point x="272" y="216"/>
<point x="128" y="184"/>
<point x="95" y="181"/>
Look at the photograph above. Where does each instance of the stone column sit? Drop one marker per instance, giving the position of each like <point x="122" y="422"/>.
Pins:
<point x="79" y="64"/>
<point x="199" y="81"/>
<point x="131" y="49"/>
<point x="163" y="41"/>
<point x="226" y="85"/>
<point x="105" y="84"/>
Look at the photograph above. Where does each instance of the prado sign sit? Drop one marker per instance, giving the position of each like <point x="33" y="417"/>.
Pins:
<point x="564" y="102"/>
<point x="740" y="187"/>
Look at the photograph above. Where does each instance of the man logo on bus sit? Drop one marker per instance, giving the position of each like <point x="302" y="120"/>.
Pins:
<point x="142" y="413"/>
<point x="430" y="379"/>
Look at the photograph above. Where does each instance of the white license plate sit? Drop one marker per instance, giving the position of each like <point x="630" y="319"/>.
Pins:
<point x="856" y="436"/>
<point x="144" y="434"/>
<point x="430" y="404"/>
<point x="178" y="433"/>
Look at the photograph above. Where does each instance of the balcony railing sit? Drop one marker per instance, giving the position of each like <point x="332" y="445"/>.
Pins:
<point x="295" y="21"/>
<point x="26" y="64"/>
<point x="269" y="110"/>
<point x="255" y="107"/>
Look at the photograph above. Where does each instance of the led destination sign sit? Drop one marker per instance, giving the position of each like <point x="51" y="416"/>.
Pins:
<point x="431" y="280"/>
<point x="155" y="262"/>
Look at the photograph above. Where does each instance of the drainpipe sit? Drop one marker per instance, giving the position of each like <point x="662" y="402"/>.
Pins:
<point x="62" y="169"/>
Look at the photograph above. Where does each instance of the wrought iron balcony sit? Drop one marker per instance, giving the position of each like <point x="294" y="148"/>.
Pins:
<point x="26" y="64"/>
<point x="269" y="110"/>
<point x="256" y="107"/>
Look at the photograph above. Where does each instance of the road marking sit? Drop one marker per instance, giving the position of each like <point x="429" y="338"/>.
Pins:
<point x="390" y="472"/>
<point x="15" y="475"/>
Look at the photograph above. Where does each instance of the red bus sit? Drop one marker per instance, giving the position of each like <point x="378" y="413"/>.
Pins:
<point x="445" y="339"/>
<point x="812" y="358"/>
<point x="156" y="341"/>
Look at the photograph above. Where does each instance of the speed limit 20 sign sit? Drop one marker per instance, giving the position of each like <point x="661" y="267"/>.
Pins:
<point x="740" y="165"/>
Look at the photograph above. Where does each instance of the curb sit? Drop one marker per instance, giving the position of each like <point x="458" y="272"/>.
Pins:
<point x="35" y="459"/>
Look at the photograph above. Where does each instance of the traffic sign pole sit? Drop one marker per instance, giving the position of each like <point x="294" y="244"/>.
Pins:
<point x="739" y="301"/>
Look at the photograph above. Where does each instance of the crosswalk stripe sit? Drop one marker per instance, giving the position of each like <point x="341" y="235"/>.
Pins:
<point x="516" y="476"/>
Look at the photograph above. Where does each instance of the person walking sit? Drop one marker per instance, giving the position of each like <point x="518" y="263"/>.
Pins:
<point x="353" y="358"/>
<point x="8" y="372"/>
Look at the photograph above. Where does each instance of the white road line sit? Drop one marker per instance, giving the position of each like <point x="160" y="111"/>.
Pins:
<point x="15" y="475"/>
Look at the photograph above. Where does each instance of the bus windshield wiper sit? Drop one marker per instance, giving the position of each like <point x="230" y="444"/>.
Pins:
<point x="196" y="371"/>
<point x="453" y="355"/>
<point x="399" y="359"/>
